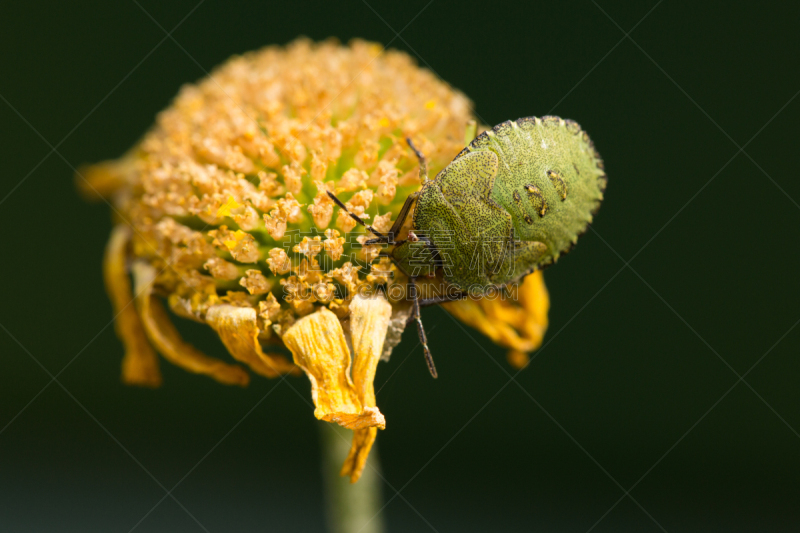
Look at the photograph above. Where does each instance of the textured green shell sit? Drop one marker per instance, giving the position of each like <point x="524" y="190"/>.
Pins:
<point x="514" y="200"/>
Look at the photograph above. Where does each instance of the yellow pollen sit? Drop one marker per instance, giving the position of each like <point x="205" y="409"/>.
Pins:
<point x="228" y="207"/>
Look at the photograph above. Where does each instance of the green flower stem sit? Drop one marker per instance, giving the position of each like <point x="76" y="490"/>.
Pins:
<point x="351" y="507"/>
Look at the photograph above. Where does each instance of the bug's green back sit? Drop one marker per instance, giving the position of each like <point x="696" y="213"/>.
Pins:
<point x="557" y="158"/>
<point x="515" y="199"/>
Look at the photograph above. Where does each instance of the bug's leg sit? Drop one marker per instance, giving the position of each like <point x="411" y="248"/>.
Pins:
<point x="401" y="218"/>
<point x="423" y="163"/>
<point x="423" y="339"/>
<point x="470" y="132"/>
<point x="381" y="237"/>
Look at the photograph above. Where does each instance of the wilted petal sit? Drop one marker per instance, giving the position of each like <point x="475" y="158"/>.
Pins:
<point x="480" y="315"/>
<point x="535" y="300"/>
<point x="319" y="347"/>
<point x="515" y="323"/>
<point x="238" y="329"/>
<point x="517" y="359"/>
<point x="140" y="364"/>
<point x="102" y="180"/>
<point x="369" y="322"/>
<point x="363" y="440"/>
<point x="368" y="417"/>
<point x="168" y="341"/>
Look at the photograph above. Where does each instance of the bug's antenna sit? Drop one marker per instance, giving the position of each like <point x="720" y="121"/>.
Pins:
<point x="381" y="237"/>
<point x="423" y="339"/>
<point x="423" y="163"/>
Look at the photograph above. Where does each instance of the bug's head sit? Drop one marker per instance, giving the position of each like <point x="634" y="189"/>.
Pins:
<point x="416" y="256"/>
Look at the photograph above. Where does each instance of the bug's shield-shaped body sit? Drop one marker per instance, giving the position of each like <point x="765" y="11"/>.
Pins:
<point x="515" y="199"/>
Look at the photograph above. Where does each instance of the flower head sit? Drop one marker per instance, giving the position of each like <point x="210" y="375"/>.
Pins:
<point x="222" y="212"/>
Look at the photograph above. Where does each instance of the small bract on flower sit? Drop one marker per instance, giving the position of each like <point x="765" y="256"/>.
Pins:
<point x="222" y="213"/>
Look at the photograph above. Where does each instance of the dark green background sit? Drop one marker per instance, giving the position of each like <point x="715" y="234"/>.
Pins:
<point x="635" y="358"/>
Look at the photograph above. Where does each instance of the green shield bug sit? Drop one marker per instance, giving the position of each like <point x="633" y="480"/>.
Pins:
<point x="513" y="201"/>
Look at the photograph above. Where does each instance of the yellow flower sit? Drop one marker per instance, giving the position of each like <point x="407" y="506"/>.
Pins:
<point x="222" y="212"/>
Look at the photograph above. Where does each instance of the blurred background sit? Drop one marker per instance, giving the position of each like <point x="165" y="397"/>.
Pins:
<point x="665" y="397"/>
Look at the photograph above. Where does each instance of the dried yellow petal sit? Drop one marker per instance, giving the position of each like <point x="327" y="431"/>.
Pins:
<point x="140" y="363"/>
<point x="535" y="300"/>
<point x="518" y="360"/>
<point x="517" y="325"/>
<point x="318" y="345"/>
<point x="102" y="180"/>
<point x="238" y="330"/>
<point x="168" y="341"/>
<point x="369" y="321"/>
<point x="363" y="440"/>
